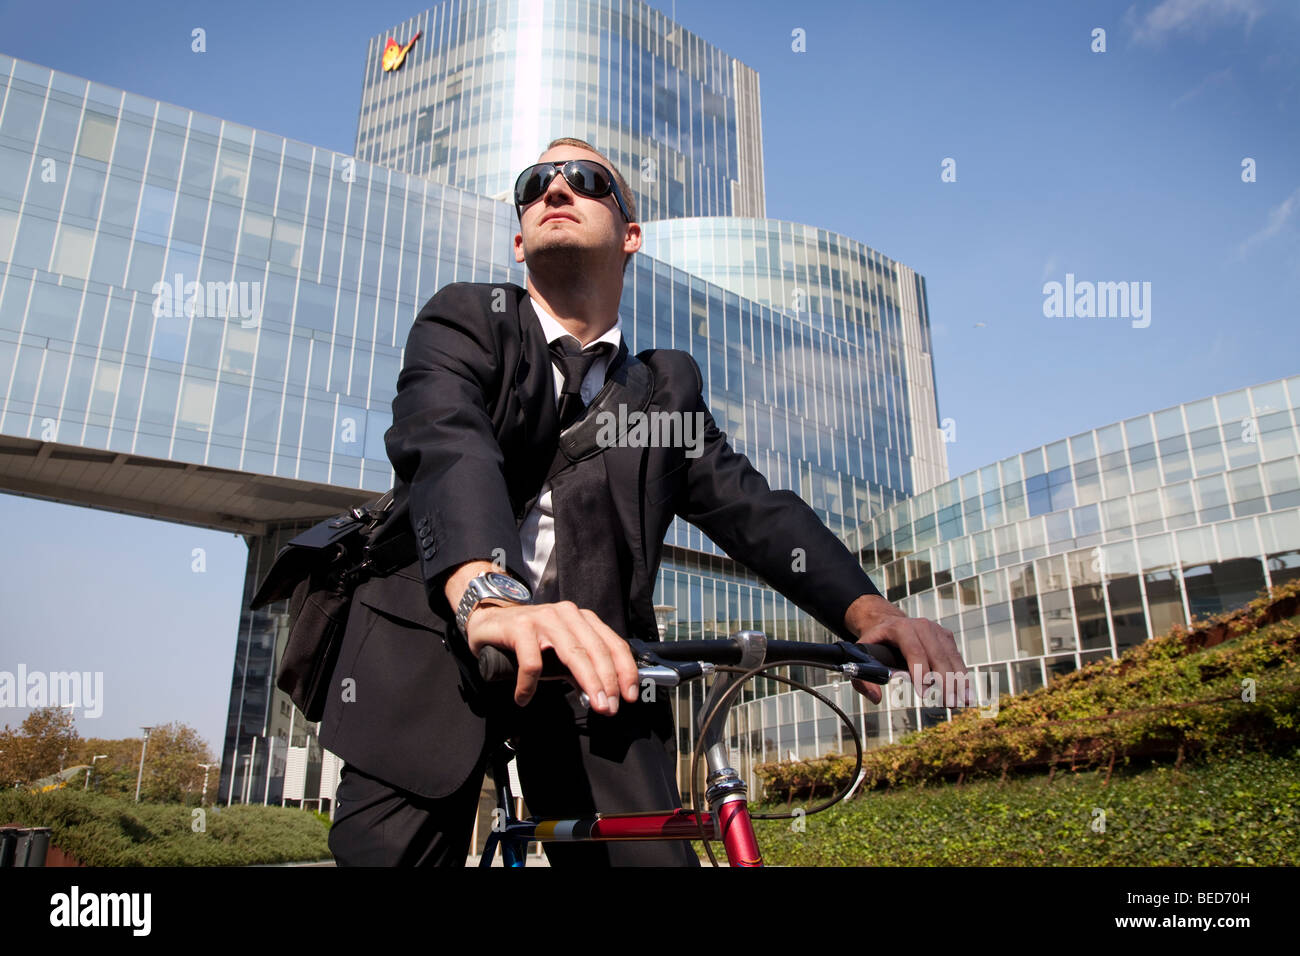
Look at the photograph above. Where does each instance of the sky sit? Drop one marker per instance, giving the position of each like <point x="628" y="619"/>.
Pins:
<point x="1115" y="165"/>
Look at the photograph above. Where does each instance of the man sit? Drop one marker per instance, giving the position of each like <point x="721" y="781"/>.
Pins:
<point x="526" y="550"/>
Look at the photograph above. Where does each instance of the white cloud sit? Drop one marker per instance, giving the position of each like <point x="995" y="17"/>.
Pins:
<point x="1278" y="217"/>
<point x="1217" y="78"/>
<point x="1191" y="16"/>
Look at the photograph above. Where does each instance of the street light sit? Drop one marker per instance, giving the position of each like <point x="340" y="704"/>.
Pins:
<point x="140" y="776"/>
<point x="92" y="767"/>
<point x="663" y="614"/>
<point x="204" y="799"/>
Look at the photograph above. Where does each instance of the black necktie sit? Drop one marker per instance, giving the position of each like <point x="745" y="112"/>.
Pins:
<point x="588" y="554"/>
<point x="575" y="363"/>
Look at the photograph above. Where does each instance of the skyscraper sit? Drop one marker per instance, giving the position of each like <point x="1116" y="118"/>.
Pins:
<point x="204" y="322"/>
<point x="486" y="82"/>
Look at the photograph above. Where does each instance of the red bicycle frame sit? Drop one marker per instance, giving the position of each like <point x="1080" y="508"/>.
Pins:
<point x="726" y="795"/>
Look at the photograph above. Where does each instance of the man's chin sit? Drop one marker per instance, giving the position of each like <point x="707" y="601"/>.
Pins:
<point x="561" y="257"/>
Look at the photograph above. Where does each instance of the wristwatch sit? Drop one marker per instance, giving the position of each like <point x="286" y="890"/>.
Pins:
<point x="492" y="587"/>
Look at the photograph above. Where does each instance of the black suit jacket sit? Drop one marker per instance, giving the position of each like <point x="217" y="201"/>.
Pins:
<point x="474" y="431"/>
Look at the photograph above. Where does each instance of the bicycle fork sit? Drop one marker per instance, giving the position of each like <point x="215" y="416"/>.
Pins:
<point x="725" y="792"/>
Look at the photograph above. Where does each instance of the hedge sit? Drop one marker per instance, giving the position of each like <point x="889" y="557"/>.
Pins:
<point x="1240" y="808"/>
<point x="1233" y="678"/>
<point x="101" y="830"/>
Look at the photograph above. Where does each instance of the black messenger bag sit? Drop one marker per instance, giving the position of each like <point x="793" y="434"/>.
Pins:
<point x="318" y="571"/>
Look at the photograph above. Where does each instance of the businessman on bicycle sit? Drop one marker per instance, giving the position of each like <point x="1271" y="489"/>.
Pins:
<point x="523" y="548"/>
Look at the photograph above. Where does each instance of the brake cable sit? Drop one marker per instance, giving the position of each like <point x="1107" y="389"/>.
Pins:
<point x="746" y="676"/>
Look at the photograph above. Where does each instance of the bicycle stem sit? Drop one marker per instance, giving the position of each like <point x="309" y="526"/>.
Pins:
<point x="724" y="783"/>
<point x="725" y="792"/>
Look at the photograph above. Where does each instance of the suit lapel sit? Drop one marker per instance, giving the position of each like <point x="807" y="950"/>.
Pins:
<point x="536" y="379"/>
<point x="625" y="469"/>
<point x="537" y="417"/>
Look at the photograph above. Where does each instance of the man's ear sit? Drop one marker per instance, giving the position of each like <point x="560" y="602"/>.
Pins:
<point x="632" y="238"/>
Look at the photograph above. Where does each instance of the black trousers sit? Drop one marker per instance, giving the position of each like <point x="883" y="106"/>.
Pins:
<point x="571" y="763"/>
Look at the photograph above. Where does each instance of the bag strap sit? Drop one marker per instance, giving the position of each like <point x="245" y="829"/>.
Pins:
<point x="626" y="391"/>
<point x="321" y="545"/>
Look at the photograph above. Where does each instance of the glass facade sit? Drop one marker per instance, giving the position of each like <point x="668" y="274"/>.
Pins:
<point x="857" y="310"/>
<point x="1070" y="552"/>
<point x="487" y="85"/>
<point x="183" y="288"/>
<point x="182" y="296"/>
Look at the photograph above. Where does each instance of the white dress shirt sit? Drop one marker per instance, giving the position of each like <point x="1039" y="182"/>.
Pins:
<point x="537" y="533"/>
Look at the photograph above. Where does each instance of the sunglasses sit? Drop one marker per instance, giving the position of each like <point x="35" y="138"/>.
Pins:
<point x="585" y="176"/>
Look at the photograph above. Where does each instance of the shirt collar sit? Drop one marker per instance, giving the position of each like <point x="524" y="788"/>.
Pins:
<point x="553" y="330"/>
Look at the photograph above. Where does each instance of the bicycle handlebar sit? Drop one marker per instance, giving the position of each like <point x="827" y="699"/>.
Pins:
<point x="870" y="662"/>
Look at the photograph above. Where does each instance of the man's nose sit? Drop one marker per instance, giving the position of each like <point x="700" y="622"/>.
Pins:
<point x="559" y="186"/>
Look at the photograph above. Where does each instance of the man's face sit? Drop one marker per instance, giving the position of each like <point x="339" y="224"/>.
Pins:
<point x="564" y="230"/>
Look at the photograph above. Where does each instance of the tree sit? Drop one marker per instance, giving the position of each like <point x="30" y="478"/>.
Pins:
<point x="115" y="774"/>
<point x="171" y="768"/>
<point x="171" y="765"/>
<point x="45" y="743"/>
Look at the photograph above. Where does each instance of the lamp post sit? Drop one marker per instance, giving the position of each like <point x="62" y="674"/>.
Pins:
<point x="663" y="613"/>
<point x="206" y="767"/>
<point x="270" y="754"/>
<point x="139" y="778"/>
<point x="92" y="767"/>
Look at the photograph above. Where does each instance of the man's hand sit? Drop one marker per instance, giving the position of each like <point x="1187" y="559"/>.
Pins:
<point x="601" y="662"/>
<point x="927" y="647"/>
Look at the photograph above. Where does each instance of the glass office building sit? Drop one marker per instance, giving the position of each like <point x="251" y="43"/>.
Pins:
<point x="487" y="84"/>
<point x="204" y="322"/>
<point x="1080" y="549"/>
<point x="859" y="310"/>
<point x="1075" y="551"/>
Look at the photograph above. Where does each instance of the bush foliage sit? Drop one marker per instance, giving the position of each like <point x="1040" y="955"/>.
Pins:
<point x="1232" y="679"/>
<point x="1241" y="808"/>
<point x="101" y="830"/>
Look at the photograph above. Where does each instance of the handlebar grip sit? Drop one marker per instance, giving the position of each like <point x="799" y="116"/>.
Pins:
<point x="885" y="655"/>
<point x="495" y="664"/>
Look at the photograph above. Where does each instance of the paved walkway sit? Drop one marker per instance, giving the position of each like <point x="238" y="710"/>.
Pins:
<point x="533" y="860"/>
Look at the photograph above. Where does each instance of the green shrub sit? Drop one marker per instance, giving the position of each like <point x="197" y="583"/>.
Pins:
<point x="1171" y="695"/>
<point x="1239" y="808"/>
<point x="104" y="830"/>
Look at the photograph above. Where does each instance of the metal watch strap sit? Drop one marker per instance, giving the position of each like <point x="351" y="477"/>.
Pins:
<point x="480" y="590"/>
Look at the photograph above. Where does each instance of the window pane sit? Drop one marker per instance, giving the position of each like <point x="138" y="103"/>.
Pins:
<point x="96" y="140"/>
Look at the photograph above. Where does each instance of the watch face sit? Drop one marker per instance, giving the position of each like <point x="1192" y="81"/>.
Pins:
<point x="508" y="586"/>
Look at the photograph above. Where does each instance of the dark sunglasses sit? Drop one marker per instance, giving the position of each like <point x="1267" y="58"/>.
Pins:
<point x="586" y="176"/>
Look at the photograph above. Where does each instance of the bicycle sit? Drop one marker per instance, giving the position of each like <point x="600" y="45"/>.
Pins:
<point x="735" y="660"/>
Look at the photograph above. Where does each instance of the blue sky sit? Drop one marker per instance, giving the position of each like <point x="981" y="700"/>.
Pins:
<point x="1115" y="166"/>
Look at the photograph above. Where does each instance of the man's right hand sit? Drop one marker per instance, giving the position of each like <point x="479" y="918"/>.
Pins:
<point x="601" y="662"/>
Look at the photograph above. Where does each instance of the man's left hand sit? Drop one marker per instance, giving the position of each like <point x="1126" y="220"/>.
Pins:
<point x="927" y="647"/>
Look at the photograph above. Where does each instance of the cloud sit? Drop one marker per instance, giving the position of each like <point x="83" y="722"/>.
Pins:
<point x="1278" y="217"/>
<point x="1049" y="268"/>
<point x="1217" y="78"/>
<point x="1191" y="16"/>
